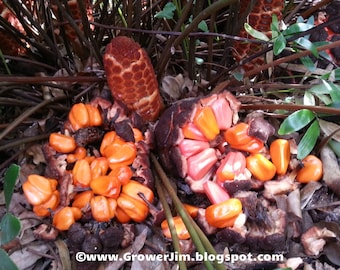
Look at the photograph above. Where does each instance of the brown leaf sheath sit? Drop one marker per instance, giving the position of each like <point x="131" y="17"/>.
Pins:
<point x="131" y="77"/>
<point x="260" y="19"/>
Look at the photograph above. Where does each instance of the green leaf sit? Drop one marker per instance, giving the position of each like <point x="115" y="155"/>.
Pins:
<point x="199" y="61"/>
<point x="307" y="44"/>
<point x="324" y="98"/>
<point x="311" y="20"/>
<point x="237" y="75"/>
<point x="333" y="75"/>
<point x="254" y="33"/>
<point x="330" y="129"/>
<point x="300" y="19"/>
<point x="308" y="98"/>
<point x="6" y="262"/>
<point x="279" y="44"/>
<point x="334" y="91"/>
<point x="337" y="74"/>
<point x="324" y="87"/>
<point x="325" y="55"/>
<point x="308" y="140"/>
<point x="274" y="26"/>
<point x="203" y="26"/>
<point x="327" y="87"/>
<point x="319" y="89"/>
<point x="334" y="105"/>
<point x="308" y="63"/>
<point x="11" y="177"/>
<point x="296" y="28"/>
<point x="9" y="228"/>
<point x="296" y="121"/>
<point x="167" y="12"/>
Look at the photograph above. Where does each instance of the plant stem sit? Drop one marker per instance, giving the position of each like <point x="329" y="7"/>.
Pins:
<point x="214" y="8"/>
<point x="16" y="143"/>
<point x="180" y="209"/>
<point x="201" y="242"/>
<point x="35" y="80"/>
<point x="167" y="210"/>
<point x="290" y="58"/>
<point x="291" y="107"/>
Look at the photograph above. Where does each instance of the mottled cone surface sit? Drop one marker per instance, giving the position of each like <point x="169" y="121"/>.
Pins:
<point x="75" y="13"/>
<point x="260" y="19"/>
<point x="131" y="77"/>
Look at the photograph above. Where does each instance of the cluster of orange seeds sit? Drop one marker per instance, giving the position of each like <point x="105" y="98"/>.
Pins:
<point x="214" y="150"/>
<point x="247" y="153"/>
<point x="106" y="180"/>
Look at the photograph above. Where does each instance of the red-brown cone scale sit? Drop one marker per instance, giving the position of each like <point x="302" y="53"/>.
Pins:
<point x="131" y="77"/>
<point x="260" y="18"/>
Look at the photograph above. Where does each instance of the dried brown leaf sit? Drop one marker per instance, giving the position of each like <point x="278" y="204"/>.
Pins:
<point x="136" y="246"/>
<point x="26" y="257"/>
<point x="36" y="152"/>
<point x="329" y="127"/>
<point x="307" y="192"/>
<point x="64" y="254"/>
<point x="332" y="251"/>
<point x="331" y="169"/>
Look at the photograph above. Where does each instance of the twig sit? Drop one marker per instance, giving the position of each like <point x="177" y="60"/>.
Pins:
<point x="290" y="58"/>
<point x="314" y="8"/>
<point x="73" y="79"/>
<point x="18" y="142"/>
<point x="27" y="113"/>
<point x="291" y="107"/>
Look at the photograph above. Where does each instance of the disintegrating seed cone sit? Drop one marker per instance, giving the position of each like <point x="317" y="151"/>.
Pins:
<point x="260" y="19"/>
<point x="131" y="77"/>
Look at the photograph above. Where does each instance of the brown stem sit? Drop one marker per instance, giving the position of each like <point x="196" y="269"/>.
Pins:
<point x="25" y="80"/>
<point x="27" y="113"/>
<point x="290" y="58"/>
<point x="315" y="8"/>
<point x="291" y="107"/>
<point x="18" y="142"/>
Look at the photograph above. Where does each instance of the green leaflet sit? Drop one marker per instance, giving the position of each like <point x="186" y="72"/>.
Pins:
<point x="167" y="12"/>
<point x="6" y="262"/>
<point x="254" y="33"/>
<point x="307" y="44"/>
<point x="308" y="63"/>
<point x="9" y="228"/>
<point x="296" y="121"/>
<point x="11" y="177"/>
<point x="308" y="140"/>
<point x="296" y="28"/>
<point x="279" y="44"/>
